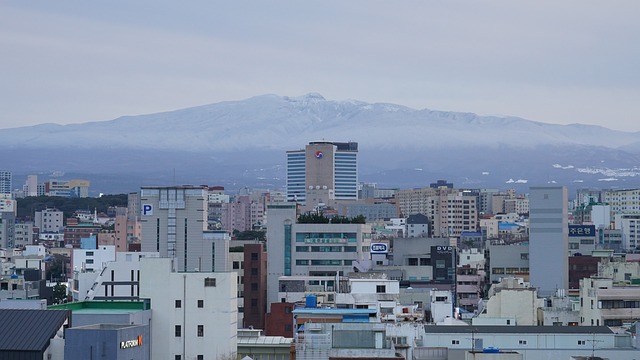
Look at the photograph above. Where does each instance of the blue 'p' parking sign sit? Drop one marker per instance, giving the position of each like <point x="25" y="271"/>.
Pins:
<point x="147" y="209"/>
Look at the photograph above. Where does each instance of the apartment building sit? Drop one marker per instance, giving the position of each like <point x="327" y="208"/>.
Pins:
<point x="49" y="220"/>
<point x="623" y="201"/>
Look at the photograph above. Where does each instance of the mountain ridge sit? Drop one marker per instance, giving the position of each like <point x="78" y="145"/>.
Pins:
<point x="244" y="142"/>
<point x="310" y="115"/>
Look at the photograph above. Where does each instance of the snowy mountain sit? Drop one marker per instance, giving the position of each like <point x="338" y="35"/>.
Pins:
<point x="244" y="141"/>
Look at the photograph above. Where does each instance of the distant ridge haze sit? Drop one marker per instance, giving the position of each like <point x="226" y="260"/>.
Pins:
<point x="244" y="141"/>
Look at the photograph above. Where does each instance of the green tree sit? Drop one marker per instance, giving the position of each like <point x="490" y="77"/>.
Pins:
<point x="250" y="235"/>
<point x="59" y="293"/>
<point x="29" y="205"/>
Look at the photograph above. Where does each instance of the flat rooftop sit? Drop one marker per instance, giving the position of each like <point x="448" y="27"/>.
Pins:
<point x="102" y="307"/>
<point x="505" y="329"/>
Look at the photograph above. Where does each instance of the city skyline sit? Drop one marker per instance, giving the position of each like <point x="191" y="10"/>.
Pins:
<point x="555" y="63"/>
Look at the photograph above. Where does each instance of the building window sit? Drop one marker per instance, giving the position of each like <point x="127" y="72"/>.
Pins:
<point x="178" y="304"/>
<point x="522" y="342"/>
<point x="200" y="357"/>
<point x="398" y="340"/>
<point x="200" y="303"/>
<point x="455" y="342"/>
<point x="200" y="330"/>
<point x="524" y="256"/>
<point x="177" y="357"/>
<point x="254" y="286"/>
<point x="178" y="330"/>
<point x="254" y="303"/>
<point x="287" y="327"/>
<point x="582" y="342"/>
<point x="208" y="282"/>
<point x="236" y="265"/>
<point x="254" y="271"/>
<point x="381" y="289"/>
<point x="254" y="256"/>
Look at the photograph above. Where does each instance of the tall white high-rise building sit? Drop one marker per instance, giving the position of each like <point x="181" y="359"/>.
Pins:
<point x="322" y="171"/>
<point x="5" y="182"/>
<point x="548" y="239"/>
<point x="31" y="187"/>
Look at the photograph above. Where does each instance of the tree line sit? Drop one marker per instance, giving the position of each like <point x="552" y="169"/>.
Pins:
<point x="28" y="206"/>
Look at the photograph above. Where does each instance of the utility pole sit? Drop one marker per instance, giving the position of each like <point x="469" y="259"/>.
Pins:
<point x="593" y="342"/>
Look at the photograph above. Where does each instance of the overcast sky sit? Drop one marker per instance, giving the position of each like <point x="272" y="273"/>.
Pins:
<point x="551" y="61"/>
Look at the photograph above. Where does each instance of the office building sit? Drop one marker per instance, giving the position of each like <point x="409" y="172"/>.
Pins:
<point x="548" y="239"/>
<point x="323" y="171"/>
<point x="299" y="249"/>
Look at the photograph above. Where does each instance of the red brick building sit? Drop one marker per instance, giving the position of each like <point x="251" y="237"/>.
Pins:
<point x="280" y="320"/>
<point x="255" y="285"/>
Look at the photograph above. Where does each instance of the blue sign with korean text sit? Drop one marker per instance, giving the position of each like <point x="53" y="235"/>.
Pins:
<point x="582" y="230"/>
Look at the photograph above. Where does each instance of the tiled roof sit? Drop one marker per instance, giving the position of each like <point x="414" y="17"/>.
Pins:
<point x="29" y="330"/>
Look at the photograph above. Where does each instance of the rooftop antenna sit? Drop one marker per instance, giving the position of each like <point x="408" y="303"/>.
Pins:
<point x="174" y="176"/>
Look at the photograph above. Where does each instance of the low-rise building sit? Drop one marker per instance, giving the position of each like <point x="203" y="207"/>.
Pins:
<point x="603" y="303"/>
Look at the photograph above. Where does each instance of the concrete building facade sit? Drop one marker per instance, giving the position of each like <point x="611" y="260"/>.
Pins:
<point x="173" y="220"/>
<point x="195" y="321"/>
<point x="312" y="249"/>
<point x="548" y="239"/>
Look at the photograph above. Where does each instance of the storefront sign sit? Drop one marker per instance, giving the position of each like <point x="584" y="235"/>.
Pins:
<point x="131" y="343"/>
